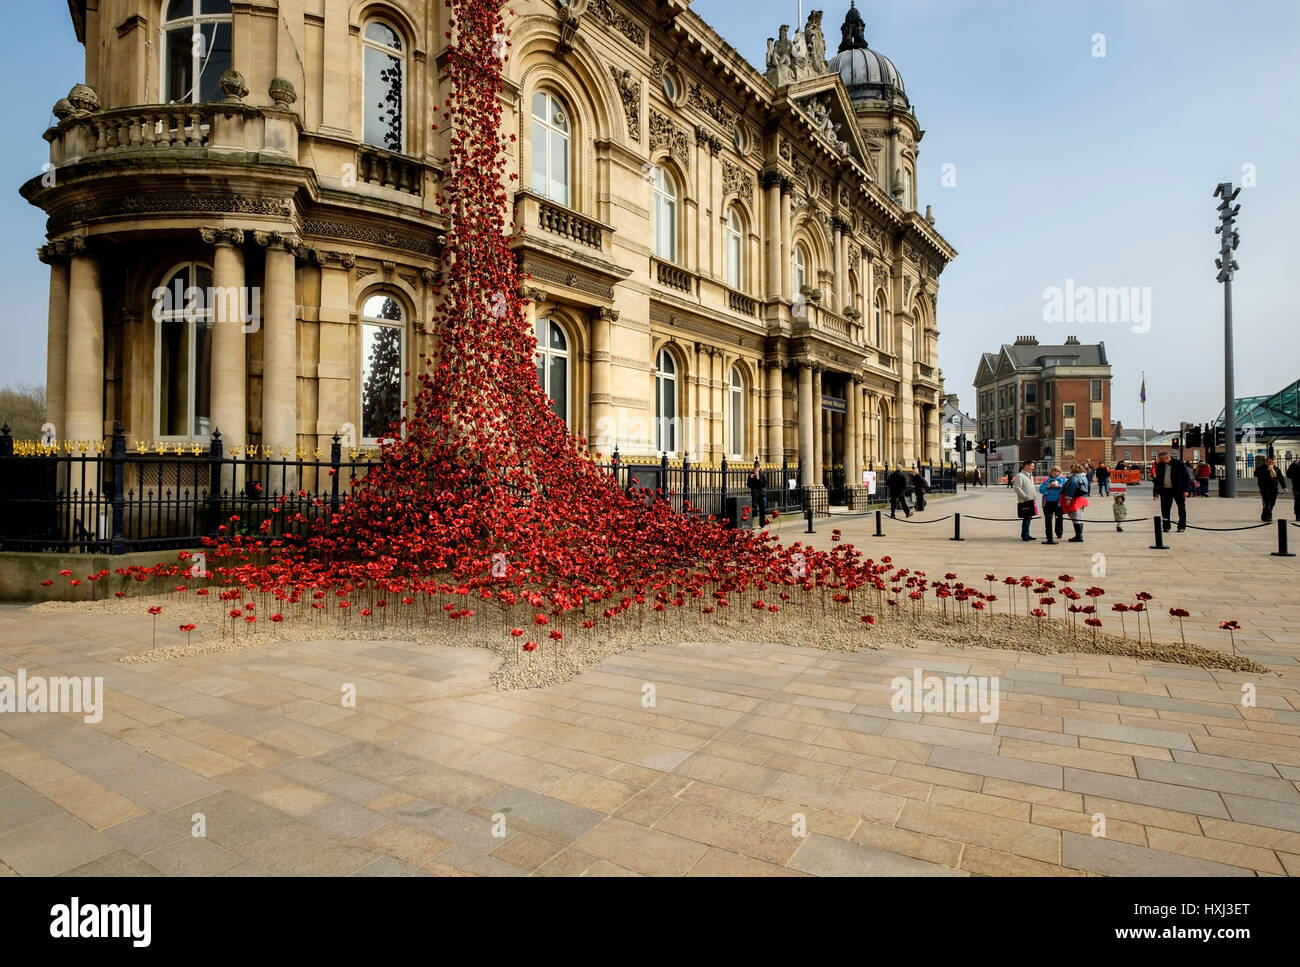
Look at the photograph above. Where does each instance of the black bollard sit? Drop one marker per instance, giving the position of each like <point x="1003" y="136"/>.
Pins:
<point x="1159" y="545"/>
<point x="810" y="515"/>
<point x="1281" y="541"/>
<point x="956" y="528"/>
<point x="879" y="532"/>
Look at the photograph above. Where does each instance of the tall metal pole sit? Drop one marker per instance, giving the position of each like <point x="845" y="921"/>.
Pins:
<point x="1226" y="265"/>
<point x="1229" y="396"/>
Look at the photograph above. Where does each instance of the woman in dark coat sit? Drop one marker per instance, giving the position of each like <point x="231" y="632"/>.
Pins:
<point x="1293" y="474"/>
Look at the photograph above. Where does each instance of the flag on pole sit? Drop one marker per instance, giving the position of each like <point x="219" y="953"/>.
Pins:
<point x="1144" y="389"/>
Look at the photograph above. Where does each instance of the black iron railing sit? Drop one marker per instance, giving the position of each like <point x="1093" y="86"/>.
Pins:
<point x="107" y="499"/>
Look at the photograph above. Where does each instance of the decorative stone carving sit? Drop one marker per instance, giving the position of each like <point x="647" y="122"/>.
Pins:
<point x="178" y="202"/>
<point x="629" y="91"/>
<point x="232" y="84"/>
<point x="784" y="150"/>
<point x="798" y="57"/>
<point x="706" y="139"/>
<point x="63" y="108"/>
<point x="431" y="276"/>
<point x="737" y="181"/>
<point x="363" y="271"/>
<point x="713" y="107"/>
<point x="603" y="10"/>
<point x="222" y="236"/>
<point x="666" y="135"/>
<point x="410" y="278"/>
<point x="605" y="313"/>
<point x="282" y="91"/>
<point x="387" y="237"/>
<point x="290" y="243"/>
<point x="569" y="23"/>
<point x="855" y="257"/>
<point x="533" y="294"/>
<point x="83" y="99"/>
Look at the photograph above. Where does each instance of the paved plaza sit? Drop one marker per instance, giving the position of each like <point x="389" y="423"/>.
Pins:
<point x="754" y="759"/>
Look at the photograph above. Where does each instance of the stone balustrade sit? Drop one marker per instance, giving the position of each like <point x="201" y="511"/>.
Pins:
<point x="224" y="127"/>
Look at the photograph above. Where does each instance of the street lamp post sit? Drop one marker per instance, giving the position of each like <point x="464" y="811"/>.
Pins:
<point x="1227" y="265"/>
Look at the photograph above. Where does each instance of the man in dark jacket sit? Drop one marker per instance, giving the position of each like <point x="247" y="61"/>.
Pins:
<point x="1293" y="474"/>
<point x="757" y="498"/>
<point x="919" y="488"/>
<point x="1270" y="482"/>
<point x="897" y="484"/>
<point x="1172" y="485"/>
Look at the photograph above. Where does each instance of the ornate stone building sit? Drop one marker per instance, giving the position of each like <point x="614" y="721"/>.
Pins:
<point x="723" y="262"/>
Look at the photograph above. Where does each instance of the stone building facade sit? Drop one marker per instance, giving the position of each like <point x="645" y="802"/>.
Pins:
<point x="722" y="262"/>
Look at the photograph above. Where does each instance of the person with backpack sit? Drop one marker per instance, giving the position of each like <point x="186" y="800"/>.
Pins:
<point x="1050" y="488"/>
<point x="1074" y="498"/>
<point x="1103" y="480"/>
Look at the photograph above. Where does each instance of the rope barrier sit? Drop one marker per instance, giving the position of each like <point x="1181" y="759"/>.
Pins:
<point x="1249" y="527"/>
<point x="937" y="520"/>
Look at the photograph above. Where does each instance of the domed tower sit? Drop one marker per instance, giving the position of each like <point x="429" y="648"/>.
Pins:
<point x="883" y="111"/>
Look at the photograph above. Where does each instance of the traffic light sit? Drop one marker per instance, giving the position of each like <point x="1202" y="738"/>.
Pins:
<point x="969" y="445"/>
<point x="982" y="447"/>
<point x="1174" y="443"/>
<point x="1194" y="436"/>
<point x="992" y="446"/>
<point x="1218" y="438"/>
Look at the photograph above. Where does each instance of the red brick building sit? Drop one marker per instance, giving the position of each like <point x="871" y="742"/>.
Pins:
<point x="1045" y="402"/>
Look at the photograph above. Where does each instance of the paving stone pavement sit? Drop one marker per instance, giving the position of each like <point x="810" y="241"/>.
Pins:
<point x="754" y="760"/>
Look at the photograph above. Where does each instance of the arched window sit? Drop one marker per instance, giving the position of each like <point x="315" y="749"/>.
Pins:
<point x="383" y="87"/>
<point x="879" y="312"/>
<point x="195" y="50"/>
<point x="383" y="361"/>
<point x="736" y="414"/>
<point x="553" y="365"/>
<point x="552" y="134"/>
<point x="665" y="432"/>
<point x="665" y="189"/>
<point x="183" y="354"/>
<point x="799" y="270"/>
<point x="735" y="234"/>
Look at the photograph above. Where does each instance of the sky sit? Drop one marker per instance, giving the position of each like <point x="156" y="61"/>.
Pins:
<point x="1097" y="171"/>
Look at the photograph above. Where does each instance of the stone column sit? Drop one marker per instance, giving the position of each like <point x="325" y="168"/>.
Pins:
<point x="837" y="263"/>
<point x="84" y="382"/>
<point x="229" y="341"/>
<point x="851" y="417"/>
<point x="693" y="438"/>
<point x="775" y="414"/>
<point x="819" y="429"/>
<point x="280" y="343"/>
<point x="604" y="428"/>
<point x="807" y="452"/>
<point x="772" y="184"/>
<point x="787" y="239"/>
<point x="717" y="425"/>
<point x="55" y="255"/>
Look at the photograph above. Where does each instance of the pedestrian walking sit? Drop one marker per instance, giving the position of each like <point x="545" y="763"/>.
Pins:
<point x="1293" y="474"/>
<point x="896" y="482"/>
<point x="1120" y="511"/>
<point x="1271" y="481"/>
<point x="1050" y="488"/>
<point x="1074" y="498"/>
<point x="1203" y="474"/>
<point x="1090" y="472"/>
<point x="977" y="476"/>
<point x="919" y="488"/>
<point x="1171" y="485"/>
<point x="757" y="498"/>
<point x="1025" y="506"/>
<point x="1103" y="480"/>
